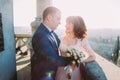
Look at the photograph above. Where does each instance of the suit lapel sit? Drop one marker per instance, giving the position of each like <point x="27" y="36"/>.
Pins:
<point x="58" y="40"/>
<point x="51" y="41"/>
<point x="48" y="35"/>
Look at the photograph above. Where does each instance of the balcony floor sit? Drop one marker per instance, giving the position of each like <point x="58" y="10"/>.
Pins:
<point x="23" y="67"/>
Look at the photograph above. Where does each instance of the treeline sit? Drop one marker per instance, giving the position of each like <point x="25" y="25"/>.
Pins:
<point x="103" y="46"/>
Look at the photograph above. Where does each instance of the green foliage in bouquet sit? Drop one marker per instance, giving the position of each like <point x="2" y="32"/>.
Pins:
<point x="76" y="57"/>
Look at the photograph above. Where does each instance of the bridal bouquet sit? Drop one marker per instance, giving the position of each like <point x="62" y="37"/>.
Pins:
<point x="75" y="57"/>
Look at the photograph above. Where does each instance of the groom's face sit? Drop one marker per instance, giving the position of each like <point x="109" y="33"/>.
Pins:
<point x="55" y="20"/>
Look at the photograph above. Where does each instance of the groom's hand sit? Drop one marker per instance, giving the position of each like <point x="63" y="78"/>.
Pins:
<point x="69" y="59"/>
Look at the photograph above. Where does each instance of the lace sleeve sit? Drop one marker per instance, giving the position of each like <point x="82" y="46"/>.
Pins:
<point x="87" y="47"/>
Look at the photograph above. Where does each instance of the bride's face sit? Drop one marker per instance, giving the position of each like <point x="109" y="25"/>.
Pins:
<point x="69" y="27"/>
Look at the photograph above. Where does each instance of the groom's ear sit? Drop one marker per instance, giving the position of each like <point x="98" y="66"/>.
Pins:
<point x="49" y="17"/>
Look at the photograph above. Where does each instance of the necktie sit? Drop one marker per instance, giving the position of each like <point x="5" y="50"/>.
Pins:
<point x="53" y="38"/>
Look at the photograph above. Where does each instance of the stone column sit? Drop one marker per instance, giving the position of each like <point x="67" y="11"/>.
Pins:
<point x="41" y="5"/>
<point x="7" y="56"/>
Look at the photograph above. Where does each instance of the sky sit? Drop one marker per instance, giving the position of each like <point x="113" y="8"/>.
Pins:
<point x="24" y="12"/>
<point x="96" y="13"/>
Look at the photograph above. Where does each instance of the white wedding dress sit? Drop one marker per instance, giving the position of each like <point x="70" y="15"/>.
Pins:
<point x="81" y="46"/>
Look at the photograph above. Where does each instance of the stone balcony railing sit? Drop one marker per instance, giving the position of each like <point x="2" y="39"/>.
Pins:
<point x="22" y="37"/>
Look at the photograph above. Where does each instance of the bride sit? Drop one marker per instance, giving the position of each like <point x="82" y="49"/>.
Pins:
<point x="75" y="37"/>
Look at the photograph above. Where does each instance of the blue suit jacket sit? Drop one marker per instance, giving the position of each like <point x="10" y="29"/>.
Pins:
<point x="46" y="57"/>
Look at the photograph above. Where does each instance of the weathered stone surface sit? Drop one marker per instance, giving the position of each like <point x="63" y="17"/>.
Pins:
<point x="93" y="71"/>
<point x="1" y="35"/>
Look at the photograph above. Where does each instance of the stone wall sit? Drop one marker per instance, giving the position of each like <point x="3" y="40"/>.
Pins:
<point x="7" y="56"/>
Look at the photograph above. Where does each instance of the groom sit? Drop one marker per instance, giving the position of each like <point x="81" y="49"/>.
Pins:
<point x="45" y="43"/>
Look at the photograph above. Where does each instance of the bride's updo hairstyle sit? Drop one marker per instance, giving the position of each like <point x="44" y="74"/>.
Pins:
<point x="80" y="30"/>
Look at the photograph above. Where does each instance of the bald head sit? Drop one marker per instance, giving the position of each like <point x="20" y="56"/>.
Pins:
<point x="51" y="17"/>
<point x="50" y="11"/>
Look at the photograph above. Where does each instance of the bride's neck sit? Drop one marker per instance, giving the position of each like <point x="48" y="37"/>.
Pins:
<point x="70" y="39"/>
<point x="71" y="35"/>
